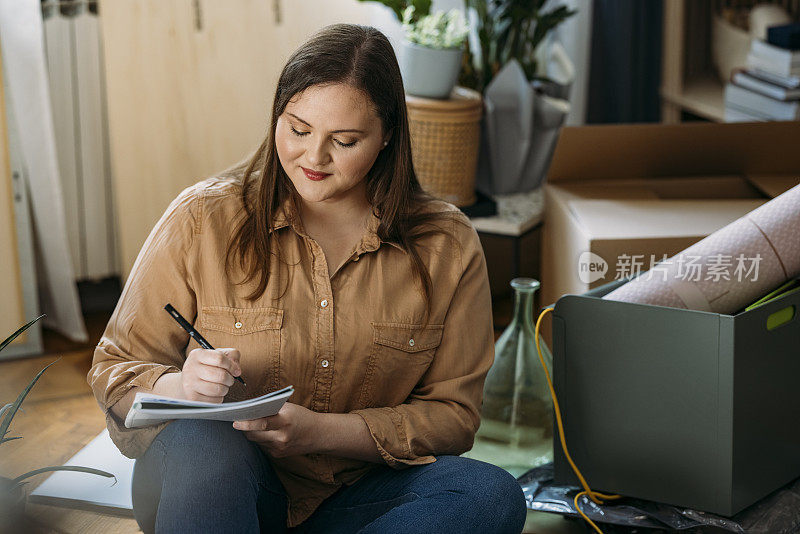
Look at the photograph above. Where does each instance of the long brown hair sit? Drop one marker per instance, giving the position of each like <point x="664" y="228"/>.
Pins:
<point x="361" y="57"/>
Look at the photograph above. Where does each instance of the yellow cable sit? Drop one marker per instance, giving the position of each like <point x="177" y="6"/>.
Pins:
<point x="595" y="496"/>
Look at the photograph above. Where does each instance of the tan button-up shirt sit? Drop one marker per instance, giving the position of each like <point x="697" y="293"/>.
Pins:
<point x="349" y="341"/>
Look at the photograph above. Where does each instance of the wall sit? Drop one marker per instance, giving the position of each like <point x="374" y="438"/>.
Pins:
<point x="189" y="86"/>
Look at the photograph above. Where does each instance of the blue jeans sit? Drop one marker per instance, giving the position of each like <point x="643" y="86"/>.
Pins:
<point x="205" y="476"/>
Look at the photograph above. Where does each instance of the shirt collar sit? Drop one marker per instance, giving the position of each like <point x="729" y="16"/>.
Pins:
<point x="371" y="240"/>
<point x="284" y="215"/>
<point x="287" y="215"/>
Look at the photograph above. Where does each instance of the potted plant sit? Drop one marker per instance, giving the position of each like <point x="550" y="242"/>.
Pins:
<point x="524" y="110"/>
<point x="12" y="495"/>
<point x="432" y="52"/>
<point x="508" y="30"/>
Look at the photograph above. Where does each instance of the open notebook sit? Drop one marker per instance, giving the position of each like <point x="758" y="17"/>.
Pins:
<point x="91" y="492"/>
<point x="149" y="409"/>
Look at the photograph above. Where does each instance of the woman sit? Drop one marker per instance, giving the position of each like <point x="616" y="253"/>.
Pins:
<point x="319" y="263"/>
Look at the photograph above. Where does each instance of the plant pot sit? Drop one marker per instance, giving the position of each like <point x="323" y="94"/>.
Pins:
<point x="429" y="72"/>
<point x="444" y="143"/>
<point x="12" y="503"/>
<point x="519" y="133"/>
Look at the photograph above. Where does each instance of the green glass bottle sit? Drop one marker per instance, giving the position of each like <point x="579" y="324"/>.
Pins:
<point x="516" y="431"/>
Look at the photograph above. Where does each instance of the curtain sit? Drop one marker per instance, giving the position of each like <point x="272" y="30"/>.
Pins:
<point x="625" y="65"/>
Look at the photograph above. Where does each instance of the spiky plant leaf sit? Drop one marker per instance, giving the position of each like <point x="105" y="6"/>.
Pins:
<point x="65" y="468"/>
<point x="10" y="439"/>
<point x="13" y="410"/>
<point x="13" y="336"/>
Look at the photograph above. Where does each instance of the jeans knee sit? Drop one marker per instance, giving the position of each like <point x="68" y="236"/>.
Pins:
<point x="505" y="496"/>
<point x="206" y="449"/>
<point x="493" y="488"/>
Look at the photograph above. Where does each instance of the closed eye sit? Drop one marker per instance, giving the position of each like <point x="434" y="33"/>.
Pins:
<point x="298" y="133"/>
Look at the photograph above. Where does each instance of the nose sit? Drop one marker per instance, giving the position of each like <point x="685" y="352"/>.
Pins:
<point x="318" y="154"/>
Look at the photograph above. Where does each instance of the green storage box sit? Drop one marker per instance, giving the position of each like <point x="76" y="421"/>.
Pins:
<point x="682" y="407"/>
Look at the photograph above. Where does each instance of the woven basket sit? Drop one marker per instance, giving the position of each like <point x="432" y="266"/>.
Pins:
<point x="445" y="136"/>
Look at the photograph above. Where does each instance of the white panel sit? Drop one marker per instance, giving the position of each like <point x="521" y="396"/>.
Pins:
<point x="73" y="489"/>
<point x="59" y="50"/>
<point x="97" y="220"/>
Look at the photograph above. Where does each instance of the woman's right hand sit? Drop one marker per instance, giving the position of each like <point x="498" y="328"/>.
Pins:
<point x="208" y="374"/>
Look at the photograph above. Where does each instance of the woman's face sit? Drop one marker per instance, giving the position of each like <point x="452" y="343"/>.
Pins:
<point x="327" y="139"/>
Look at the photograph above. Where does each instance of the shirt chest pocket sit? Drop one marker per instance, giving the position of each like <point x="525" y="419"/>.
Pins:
<point x="400" y="356"/>
<point x="256" y="333"/>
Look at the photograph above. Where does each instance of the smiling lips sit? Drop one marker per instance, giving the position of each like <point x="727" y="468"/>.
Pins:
<point x="314" y="175"/>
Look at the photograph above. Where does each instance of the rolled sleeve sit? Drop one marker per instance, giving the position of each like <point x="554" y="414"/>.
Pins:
<point x="442" y="414"/>
<point x="140" y="342"/>
<point x="388" y="430"/>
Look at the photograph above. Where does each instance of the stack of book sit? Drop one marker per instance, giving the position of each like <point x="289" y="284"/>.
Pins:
<point x="768" y="89"/>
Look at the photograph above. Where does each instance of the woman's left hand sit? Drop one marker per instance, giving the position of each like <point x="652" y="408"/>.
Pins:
<point x="293" y="430"/>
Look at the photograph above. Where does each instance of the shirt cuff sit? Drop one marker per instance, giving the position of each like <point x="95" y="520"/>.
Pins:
<point x="388" y="431"/>
<point x="131" y="442"/>
<point x="145" y="380"/>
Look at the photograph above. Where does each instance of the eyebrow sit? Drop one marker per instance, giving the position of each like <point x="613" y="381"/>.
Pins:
<point x="344" y="130"/>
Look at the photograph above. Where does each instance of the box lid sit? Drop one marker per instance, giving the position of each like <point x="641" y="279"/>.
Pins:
<point x="774" y="186"/>
<point x="659" y="150"/>
<point x="642" y="218"/>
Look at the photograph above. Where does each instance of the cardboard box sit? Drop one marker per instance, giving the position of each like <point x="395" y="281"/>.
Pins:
<point x="678" y="406"/>
<point x="619" y="197"/>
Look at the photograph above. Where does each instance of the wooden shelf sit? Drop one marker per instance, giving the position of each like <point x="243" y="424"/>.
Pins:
<point x="702" y="96"/>
<point x="689" y="81"/>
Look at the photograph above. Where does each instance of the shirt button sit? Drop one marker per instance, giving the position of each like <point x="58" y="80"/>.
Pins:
<point x="237" y="324"/>
<point x="325" y="363"/>
<point x="324" y="303"/>
<point x="355" y="258"/>
<point x="411" y="342"/>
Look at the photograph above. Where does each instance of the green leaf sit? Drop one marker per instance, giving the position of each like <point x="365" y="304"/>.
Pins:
<point x="548" y="21"/>
<point x="12" y="412"/>
<point x="10" y="439"/>
<point x="510" y="29"/>
<point x="397" y="6"/>
<point x="65" y="468"/>
<point x="13" y="336"/>
<point x="422" y="8"/>
<point x="4" y="408"/>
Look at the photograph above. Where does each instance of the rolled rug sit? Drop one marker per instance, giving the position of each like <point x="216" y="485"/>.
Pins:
<point x="730" y="268"/>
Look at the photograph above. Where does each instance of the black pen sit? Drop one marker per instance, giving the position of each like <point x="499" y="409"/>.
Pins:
<point x="192" y="332"/>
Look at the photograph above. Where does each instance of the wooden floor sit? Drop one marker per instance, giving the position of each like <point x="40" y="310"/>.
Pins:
<point x="60" y="417"/>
